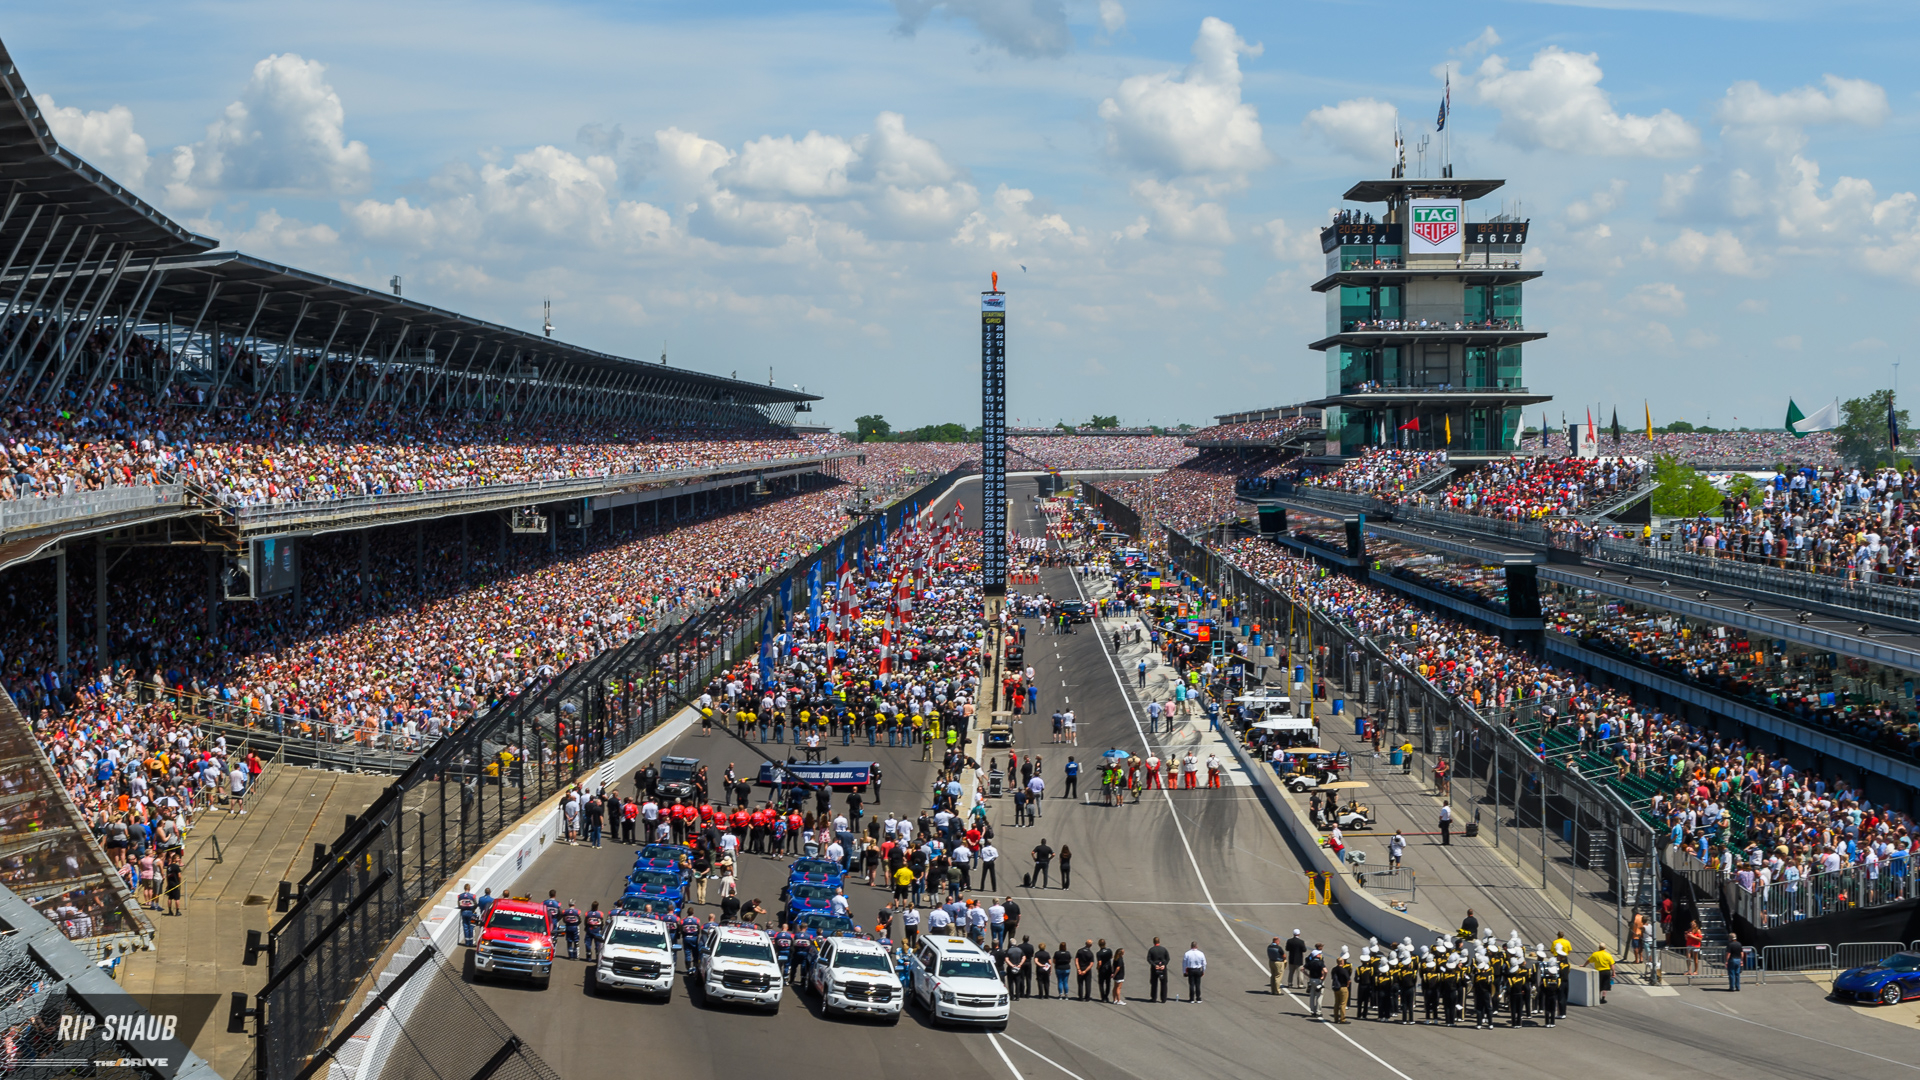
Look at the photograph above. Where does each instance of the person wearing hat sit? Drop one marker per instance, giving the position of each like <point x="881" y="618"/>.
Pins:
<point x="1430" y="982"/>
<point x="1483" y="984"/>
<point x="1383" y="989"/>
<point x="1519" y="981"/>
<point x="1342" y="985"/>
<point x="1296" y="949"/>
<point x="1406" y="978"/>
<point x="1553" y="987"/>
<point x="1316" y="972"/>
<point x="1363" y="980"/>
<point x="1450" y="988"/>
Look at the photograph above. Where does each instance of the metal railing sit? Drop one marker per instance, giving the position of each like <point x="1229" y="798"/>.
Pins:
<point x="474" y="785"/>
<point x="534" y="491"/>
<point x="1766" y="577"/>
<point x="1828" y="892"/>
<point x="1821" y="958"/>
<point x="31" y="512"/>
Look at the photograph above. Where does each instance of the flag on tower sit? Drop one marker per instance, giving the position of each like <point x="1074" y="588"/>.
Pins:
<point x="1446" y="103"/>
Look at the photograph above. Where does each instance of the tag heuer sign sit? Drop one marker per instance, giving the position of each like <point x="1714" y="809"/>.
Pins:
<point x="1435" y="226"/>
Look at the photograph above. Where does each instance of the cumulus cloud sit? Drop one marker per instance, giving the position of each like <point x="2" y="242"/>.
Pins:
<point x="808" y="168"/>
<point x="287" y="133"/>
<point x="1842" y="101"/>
<point x="1011" y="220"/>
<point x="1723" y="251"/>
<point x="1659" y="297"/>
<point x="1597" y="205"/>
<point x="1113" y="17"/>
<point x="1555" y="103"/>
<point x="1359" y="127"/>
<point x="1290" y="243"/>
<point x="1027" y="28"/>
<point x="105" y="138"/>
<point x="1190" y="123"/>
<point x="1178" y="215"/>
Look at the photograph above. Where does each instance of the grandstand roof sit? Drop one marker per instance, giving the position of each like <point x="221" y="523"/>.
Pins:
<point x="38" y="170"/>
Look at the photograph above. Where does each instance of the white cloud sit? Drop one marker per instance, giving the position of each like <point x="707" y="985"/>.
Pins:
<point x="1291" y="244"/>
<point x="276" y="236"/>
<point x="812" y="167"/>
<point x="1113" y="17"/>
<point x="1597" y="205"/>
<point x="1555" y="103"/>
<point x="1027" y="28"/>
<point x="1012" y="220"/>
<point x="1179" y="216"/>
<point x="1191" y="123"/>
<point x="1659" y="297"/>
<point x="1486" y="41"/>
<point x="1360" y="127"/>
<point x="285" y="134"/>
<point x="687" y="161"/>
<point x="1844" y="101"/>
<point x="104" y="139"/>
<point x="1693" y="249"/>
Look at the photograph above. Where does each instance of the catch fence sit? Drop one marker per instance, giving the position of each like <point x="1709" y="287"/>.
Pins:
<point x="475" y="784"/>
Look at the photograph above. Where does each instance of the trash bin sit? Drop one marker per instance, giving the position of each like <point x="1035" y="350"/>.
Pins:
<point x="1339" y="706"/>
<point x="1359" y="727"/>
<point x="1269" y="650"/>
<point x="1396" y="756"/>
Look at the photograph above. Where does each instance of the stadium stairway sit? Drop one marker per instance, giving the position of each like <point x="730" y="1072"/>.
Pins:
<point x="233" y="868"/>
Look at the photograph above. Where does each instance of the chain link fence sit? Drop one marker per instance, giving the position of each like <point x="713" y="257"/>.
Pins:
<point x="475" y="784"/>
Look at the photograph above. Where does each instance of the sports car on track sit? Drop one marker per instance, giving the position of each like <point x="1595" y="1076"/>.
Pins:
<point x="1888" y="982"/>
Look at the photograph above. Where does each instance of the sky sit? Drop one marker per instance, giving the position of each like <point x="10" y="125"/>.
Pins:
<point x="816" y="193"/>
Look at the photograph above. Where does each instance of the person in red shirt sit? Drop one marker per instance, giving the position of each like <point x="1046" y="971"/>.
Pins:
<point x="795" y="826"/>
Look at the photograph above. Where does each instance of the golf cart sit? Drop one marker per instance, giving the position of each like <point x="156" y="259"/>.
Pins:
<point x="1351" y="816"/>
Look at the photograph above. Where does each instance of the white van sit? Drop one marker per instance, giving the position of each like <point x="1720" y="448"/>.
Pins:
<point x="954" y="979"/>
<point x="854" y="975"/>
<point x="637" y="955"/>
<point x="737" y="963"/>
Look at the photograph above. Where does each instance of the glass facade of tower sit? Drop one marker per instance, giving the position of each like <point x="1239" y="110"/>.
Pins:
<point x="1423" y="349"/>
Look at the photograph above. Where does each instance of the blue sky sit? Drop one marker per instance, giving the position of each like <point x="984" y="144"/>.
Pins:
<point x="1718" y="192"/>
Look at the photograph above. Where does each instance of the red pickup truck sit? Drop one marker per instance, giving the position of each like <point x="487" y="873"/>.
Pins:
<point x="517" y="939"/>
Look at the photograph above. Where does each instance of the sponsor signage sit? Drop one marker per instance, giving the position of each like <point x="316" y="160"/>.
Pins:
<point x="994" y="302"/>
<point x="832" y="774"/>
<point x="1435" y="226"/>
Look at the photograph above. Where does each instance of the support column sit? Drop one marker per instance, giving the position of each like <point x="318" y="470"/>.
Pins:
<point x="60" y="606"/>
<point x="366" y="571"/>
<point x="213" y="594"/>
<point x="553" y="530"/>
<point x="420" y="555"/>
<point x="100" y="606"/>
<point x="463" y="551"/>
<point x="504" y="567"/>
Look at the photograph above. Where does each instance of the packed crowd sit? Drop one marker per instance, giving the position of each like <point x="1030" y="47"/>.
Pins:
<point x="271" y="449"/>
<point x="1194" y="494"/>
<point x="1253" y="430"/>
<point x="1727" y="801"/>
<point x="1527" y="489"/>
<point x="1845" y="522"/>
<point x="1709" y="450"/>
<point x="1096" y="452"/>
<point x="1380" y="472"/>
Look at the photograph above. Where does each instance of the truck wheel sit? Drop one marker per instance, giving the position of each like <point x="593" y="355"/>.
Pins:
<point x="773" y="1009"/>
<point x="894" y="1020"/>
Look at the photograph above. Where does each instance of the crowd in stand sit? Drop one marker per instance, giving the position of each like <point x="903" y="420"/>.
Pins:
<point x="1254" y="430"/>
<point x="1847" y="522"/>
<point x="1095" y="452"/>
<point x="1733" y="804"/>
<point x="1381" y="472"/>
<point x="1196" y="493"/>
<point x="1708" y="449"/>
<point x="1527" y="489"/>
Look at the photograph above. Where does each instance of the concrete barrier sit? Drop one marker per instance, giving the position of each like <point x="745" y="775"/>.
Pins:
<point x="498" y="868"/>
<point x="1371" y="913"/>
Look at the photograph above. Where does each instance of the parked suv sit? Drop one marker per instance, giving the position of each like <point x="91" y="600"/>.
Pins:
<point x="855" y="975"/>
<point x="637" y="955"/>
<point x="517" y="939"/>
<point x="737" y="963"/>
<point x="953" y="979"/>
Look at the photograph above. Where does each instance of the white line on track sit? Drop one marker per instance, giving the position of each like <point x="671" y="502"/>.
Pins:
<point x="1198" y="874"/>
<point x="1030" y="1050"/>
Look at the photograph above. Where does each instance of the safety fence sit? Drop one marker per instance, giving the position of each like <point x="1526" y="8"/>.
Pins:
<point x="474" y="785"/>
<point x="1839" y="587"/>
<point x="31" y="512"/>
<point x="1828" y="892"/>
<point x="1547" y="811"/>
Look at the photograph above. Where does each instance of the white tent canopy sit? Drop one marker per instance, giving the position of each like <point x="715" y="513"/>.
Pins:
<point x="1284" y="723"/>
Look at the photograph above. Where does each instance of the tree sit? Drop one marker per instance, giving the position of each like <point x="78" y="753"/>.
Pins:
<point x="1103" y="423"/>
<point x="873" y="427"/>
<point x="1678" y="427"/>
<point x="1863" y="429"/>
<point x="1683" y="492"/>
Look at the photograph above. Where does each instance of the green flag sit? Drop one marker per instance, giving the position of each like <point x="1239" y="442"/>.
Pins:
<point x="1794" y="416"/>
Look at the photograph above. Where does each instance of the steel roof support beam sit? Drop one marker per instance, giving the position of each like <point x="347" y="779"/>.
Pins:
<point x="325" y="352"/>
<point x="385" y="366"/>
<point x="213" y="290"/>
<point x="39" y="298"/>
<point x="15" y="253"/>
<point x="151" y="284"/>
<point x="414" y="369"/>
<point x="266" y="376"/>
<point x="446" y="370"/>
<point x="239" y="346"/>
<point x="71" y="348"/>
<point x="49" y="316"/>
<point x="353" y="366"/>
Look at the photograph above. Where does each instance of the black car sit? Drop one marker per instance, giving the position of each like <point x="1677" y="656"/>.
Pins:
<point x="1074" y="610"/>
<point x="676" y="778"/>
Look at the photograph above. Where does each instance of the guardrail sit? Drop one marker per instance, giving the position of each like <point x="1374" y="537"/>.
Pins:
<point x="1734" y="570"/>
<point x="30" y="512"/>
<point x="1826" y="893"/>
<point x="1822" y="958"/>
<point x="536" y="491"/>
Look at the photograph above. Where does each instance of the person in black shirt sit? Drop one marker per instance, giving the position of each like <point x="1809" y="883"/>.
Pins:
<point x="1083" y="969"/>
<point x="1027" y="952"/>
<point x="1103" y="964"/>
<point x="730" y="908"/>
<point x="1316" y="970"/>
<point x="1016" y="971"/>
<point x="1157" y="961"/>
<point x="1062" y="966"/>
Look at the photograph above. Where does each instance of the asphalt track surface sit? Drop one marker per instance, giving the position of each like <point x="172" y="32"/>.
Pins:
<point x="1204" y="866"/>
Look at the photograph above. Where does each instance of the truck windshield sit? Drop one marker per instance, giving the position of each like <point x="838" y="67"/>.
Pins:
<point x="967" y="969"/>
<point x="517" y="920"/>
<point x="731" y="949"/>
<point x="639" y="939"/>
<point x="860" y="961"/>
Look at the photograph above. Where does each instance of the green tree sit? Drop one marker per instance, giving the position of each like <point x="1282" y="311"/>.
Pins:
<point x="1103" y="423"/>
<point x="873" y="428"/>
<point x="1863" y="429"/>
<point x="1683" y="492"/>
<point x="1678" y="427"/>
